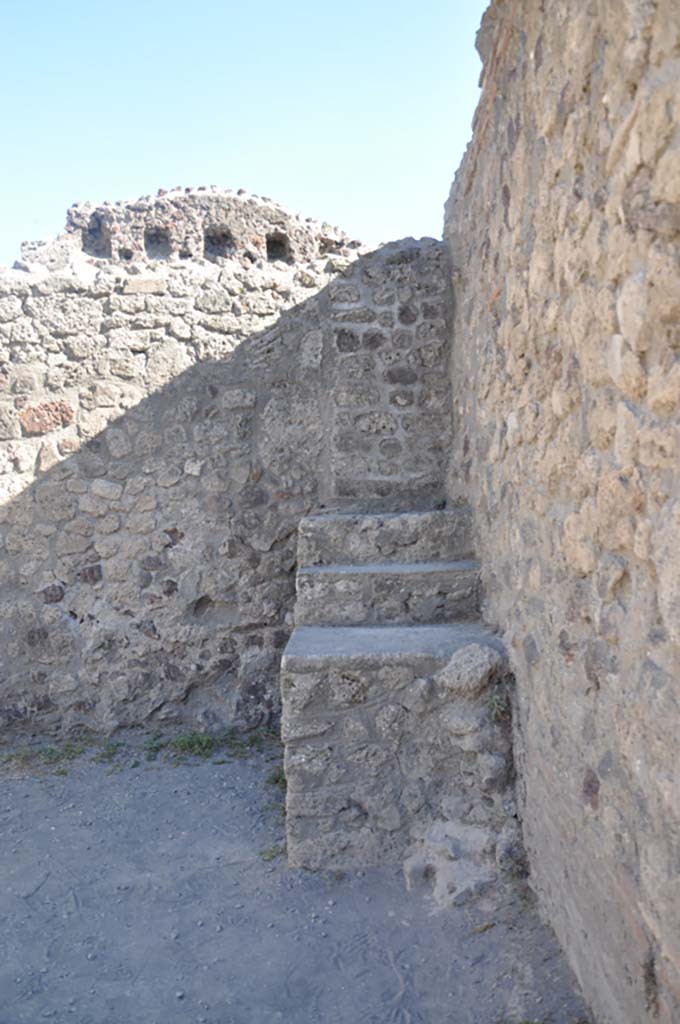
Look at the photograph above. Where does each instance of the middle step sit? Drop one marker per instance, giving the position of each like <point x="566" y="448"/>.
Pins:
<point x="395" y="593"/>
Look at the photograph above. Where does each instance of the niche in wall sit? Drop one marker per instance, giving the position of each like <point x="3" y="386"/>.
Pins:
<point x="157" y="243"/>
<point x="97" y="239"/>
<point x="218" y="243"/>
<point x="278" y="247"/>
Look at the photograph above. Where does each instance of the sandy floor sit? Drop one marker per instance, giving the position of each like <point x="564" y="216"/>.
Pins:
<point x="148" y="892"/>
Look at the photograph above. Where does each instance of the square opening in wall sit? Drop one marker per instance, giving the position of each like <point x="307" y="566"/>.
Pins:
<point x="97" y="239"/>
<point x="218" y="243"/>
<point x="157" y="243"/>
<point x="278" y="247"/>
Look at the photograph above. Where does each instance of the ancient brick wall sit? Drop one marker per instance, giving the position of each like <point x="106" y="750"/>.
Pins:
<point x="563" y="227"/>
<point x="178" y="386"/>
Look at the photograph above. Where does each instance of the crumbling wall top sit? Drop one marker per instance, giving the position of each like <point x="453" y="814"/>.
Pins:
<point x="188" y="224"/>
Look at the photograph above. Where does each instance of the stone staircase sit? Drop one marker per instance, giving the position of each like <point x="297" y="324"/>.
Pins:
<point x="396" y="740"/>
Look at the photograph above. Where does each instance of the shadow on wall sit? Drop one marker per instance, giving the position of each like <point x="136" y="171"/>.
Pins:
<point x="149" y="575"/>
<point x="168" y="542"/>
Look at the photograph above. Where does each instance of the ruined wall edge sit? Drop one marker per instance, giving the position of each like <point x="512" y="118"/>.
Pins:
<point x="563" y="228"/>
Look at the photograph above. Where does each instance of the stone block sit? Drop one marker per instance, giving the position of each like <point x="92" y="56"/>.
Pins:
<point x="358" y="682"/>
<point x="415" y="592"/>
<point x="402" y="537"/>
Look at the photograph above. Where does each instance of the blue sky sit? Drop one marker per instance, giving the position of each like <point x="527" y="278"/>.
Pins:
<point x="356" y="112"/>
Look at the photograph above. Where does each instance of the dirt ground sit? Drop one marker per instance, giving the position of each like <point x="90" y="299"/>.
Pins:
<point x="142" y="884"/>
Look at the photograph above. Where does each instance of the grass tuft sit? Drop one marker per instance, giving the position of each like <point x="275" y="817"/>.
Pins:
<point x="194" y="744"/>
<point x="499" y="705"/>
<point x="277" y="777"/>
<point x="272" y="852"/>
<point x="228" y="744"/>
<point x="153" y="746"/>
<point x="46" y="757"/>
<point x="108" y="752"/>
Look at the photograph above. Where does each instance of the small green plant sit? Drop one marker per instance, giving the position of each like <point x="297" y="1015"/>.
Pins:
<point x="47" y="757"/>
<point x="255" y="741"/>
<point x="66" y="752"/>
<point x="277" y="777"/>
<point x="153" y="746"/>
<point x="499" y="705"/>
<point x="195" y="744"/>
<point x="108" y="752"/>
<point x="272" y="852"/>
<point x="235" y="745"/>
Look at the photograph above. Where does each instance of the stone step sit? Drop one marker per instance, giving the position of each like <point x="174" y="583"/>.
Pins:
<point x="421" y="648"/>
<point x="341" y="538"/>
<point x="368" y="747"/>
<point x="396" y="592"/>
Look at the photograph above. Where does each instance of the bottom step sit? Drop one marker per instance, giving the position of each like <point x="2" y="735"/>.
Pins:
<point x="381" y="724"/>
<point x="437" y="643"/>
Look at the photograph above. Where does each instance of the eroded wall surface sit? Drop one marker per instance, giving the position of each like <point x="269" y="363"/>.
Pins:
<point x="181" y="379"/>
<point x="563" y="228"/>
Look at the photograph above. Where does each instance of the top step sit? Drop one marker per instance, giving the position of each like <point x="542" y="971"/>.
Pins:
<point x="353" y="538"/>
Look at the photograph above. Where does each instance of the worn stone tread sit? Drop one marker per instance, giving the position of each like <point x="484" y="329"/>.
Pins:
<point x="383" y="642"/>
<point x="390" y="568"/>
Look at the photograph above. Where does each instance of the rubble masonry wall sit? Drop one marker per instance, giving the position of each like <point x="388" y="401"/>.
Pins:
<point x="181" y="379"/>
<point x="563" y="227"/>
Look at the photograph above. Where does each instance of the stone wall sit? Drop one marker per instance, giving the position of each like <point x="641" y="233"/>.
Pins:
<point x="389" y="324"/>
<point x="179" y="384"/>
<point x="563" y="227"/>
